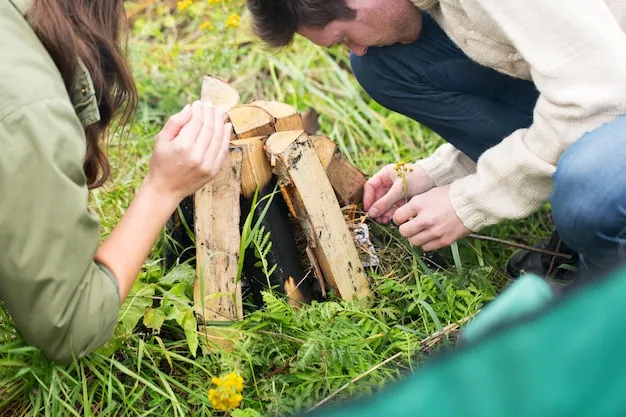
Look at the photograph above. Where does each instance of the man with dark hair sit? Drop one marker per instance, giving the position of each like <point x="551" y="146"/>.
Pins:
<point x="530" y="98"/>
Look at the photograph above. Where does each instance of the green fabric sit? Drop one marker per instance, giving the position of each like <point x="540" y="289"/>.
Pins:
<point x="526" y="295"/>
<point x="60" y="299"/>
<point x="82" y="94"/>
<point x="567" y="360"/>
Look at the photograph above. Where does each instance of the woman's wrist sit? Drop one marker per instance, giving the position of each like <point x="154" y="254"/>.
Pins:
<point x="156" y="196"/>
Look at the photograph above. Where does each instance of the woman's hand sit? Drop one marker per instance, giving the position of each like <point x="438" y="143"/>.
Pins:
<point x="386" y="190"/>
<point x="189" y="151"/>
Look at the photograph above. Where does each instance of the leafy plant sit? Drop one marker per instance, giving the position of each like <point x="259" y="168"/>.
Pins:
<point x="156" y="363"/>
<point x="262" y="246"/>
<point x="249" y="232"/>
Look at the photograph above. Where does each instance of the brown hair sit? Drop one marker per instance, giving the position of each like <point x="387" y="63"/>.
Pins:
<point x="277" y="21"/>
<point x="93" y="31"/>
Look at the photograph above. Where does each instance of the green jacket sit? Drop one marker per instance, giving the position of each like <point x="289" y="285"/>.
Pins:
<point x="563" y="359"/>
<point x="60" y="299"/>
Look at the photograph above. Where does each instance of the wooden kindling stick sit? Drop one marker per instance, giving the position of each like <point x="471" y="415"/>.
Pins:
<point x="298" y="165"/>
<point x="288" y="275"/>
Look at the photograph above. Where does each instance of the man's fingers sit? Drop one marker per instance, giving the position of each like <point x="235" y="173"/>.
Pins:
<point x="376" y="187"/>
<point x="386" y="218"/>
<point x="387" y="201"/>
<point x="369" y="194"/>
<point x="175" y="124"/>
<point x="434" y="244"/>
<point x="407" y="211"/>
<point x="423" y="238"/>
<point x="413" y="227"/>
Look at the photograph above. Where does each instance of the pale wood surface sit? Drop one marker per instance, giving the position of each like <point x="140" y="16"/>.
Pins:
<point x="217" y="295"/>
<point x="346" y="179"/>
<point x="334" y="246"/>
<point x="286" y="117"/>
<point x="256" y="170"/>
<point x="325" y="148"/>
<point x="250" y="121"/>
<point x="218" y="92"/>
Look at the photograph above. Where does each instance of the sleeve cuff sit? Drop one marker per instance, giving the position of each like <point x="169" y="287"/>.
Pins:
<point x="113" y="280"/>
<point x="447" y="164"/>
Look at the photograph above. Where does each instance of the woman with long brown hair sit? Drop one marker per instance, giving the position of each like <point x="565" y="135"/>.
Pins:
<point x="64" y="82"/>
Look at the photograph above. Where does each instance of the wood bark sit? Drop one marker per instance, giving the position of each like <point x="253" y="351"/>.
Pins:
<point x="219" y="93"/>
<point x="180" y="247"/>
<point x="217" y="294"/>
<point x="285" y="116"/>
<point x="346" y="179"/>
<point x="297" y="164"/>
<point x="250" y="121"/>
<point x="288" y="276"/>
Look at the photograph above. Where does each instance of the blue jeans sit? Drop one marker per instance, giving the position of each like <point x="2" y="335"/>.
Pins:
<point x="473" y="107"/>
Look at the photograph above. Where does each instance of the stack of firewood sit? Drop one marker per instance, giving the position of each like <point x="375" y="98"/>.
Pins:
<point x="294" y="186"/>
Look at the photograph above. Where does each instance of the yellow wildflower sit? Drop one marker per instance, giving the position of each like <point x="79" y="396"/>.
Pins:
<point x="183" y="4"/>
<point x="227" y="395"/>
<point x="213" y="1"/>
<point x="402" y="166"/>
<point x="207" y="25"/>
<point x="233" y="20"/>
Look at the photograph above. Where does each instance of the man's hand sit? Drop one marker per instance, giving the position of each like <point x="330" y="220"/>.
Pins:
<point x="429" y="220"/>
<point x="384" y="193"/>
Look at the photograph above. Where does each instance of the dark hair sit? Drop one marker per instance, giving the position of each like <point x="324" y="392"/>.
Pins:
<point x="90" y="30"/>
<point x="276" y="21"/>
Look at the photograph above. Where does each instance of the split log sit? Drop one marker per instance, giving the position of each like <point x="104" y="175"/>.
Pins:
<point x="250" y="121"/>
<point x="217" y="294"/>
<point x="288" y="276"/>
<point x="316" y="270"/>
<point x="346" y="179"/>
<point x="286" y="117"/>
<point x="179" y="247"/>
<point x="325" y="148"/>
<point x="219" y="93"/>
<point x="310" y="121"/>
<point x="297" y="163"/>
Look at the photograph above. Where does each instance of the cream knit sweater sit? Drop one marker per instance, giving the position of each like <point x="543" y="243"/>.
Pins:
<point x="575" y="53"/>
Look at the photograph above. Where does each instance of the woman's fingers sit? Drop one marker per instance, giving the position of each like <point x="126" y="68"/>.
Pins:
<point x="221" y="152"/>
<point x="189" y="133"/>
<point x="217" y="140"/>
<point x="175" y="123"/>
<point x="205" y="136"/>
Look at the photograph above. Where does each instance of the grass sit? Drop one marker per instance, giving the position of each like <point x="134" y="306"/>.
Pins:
<point x="157" y="363"/>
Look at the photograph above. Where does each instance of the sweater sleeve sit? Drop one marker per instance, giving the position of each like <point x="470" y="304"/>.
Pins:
<point x="576" y="53"/>
<point x="447" y="164"/>
<point x="60" y="299"/>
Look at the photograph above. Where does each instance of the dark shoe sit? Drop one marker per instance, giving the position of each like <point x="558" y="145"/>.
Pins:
<point x="529" y="262"/>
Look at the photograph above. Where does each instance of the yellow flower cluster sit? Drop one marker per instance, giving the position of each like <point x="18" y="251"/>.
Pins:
<point x="227" y="395"/>
<point x="233" y="20"/>
<point x="183" y="4"/>
<point x="207" y="26"/>
<point x="214" y="1"/>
